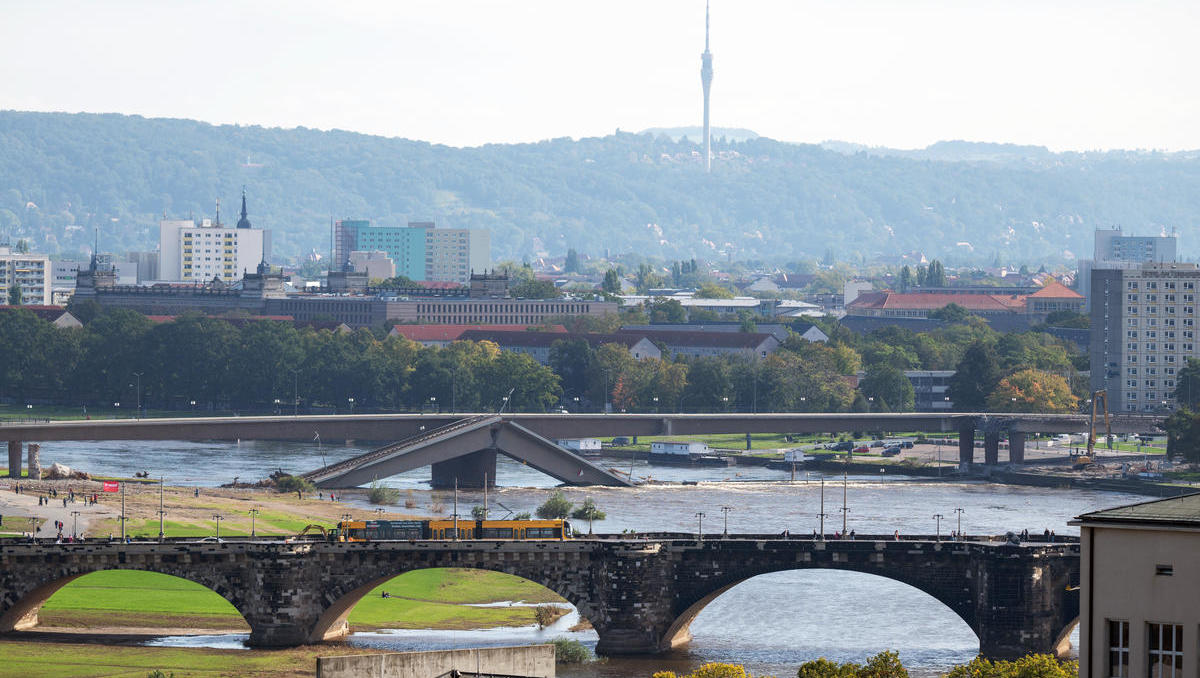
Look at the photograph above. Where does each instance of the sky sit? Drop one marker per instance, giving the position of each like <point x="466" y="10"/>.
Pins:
<point x="1067" y="75"/>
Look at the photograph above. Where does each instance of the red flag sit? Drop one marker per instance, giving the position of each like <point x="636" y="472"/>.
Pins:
<point x="112" y="486"/>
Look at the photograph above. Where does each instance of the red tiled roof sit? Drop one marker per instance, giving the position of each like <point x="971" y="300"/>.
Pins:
<point x="705" y="339"/>
<point x="1053" y="289"/>
<point x="993" y="303"/>
<point x="531" y="339"/>
<point x="452" y="332"/>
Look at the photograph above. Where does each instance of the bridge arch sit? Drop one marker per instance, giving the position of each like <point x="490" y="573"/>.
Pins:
<point x="21" y="612"/>
<point x="340" y="600"/>
<point x="678" y="633"/>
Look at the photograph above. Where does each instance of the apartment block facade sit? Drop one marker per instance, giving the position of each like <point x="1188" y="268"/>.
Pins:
<point x="31" y="271"/>
<point x="1143" y="325"/>
<point x="420" y="251"/>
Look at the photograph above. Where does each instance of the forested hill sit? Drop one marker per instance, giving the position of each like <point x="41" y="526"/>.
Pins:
<point x="63" y="174"/>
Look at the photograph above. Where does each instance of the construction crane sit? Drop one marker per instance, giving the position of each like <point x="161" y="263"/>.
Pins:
<point x="1098" y="397"/>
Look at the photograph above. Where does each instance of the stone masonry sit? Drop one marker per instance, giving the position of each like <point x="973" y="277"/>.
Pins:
<point x="639" y="594"/>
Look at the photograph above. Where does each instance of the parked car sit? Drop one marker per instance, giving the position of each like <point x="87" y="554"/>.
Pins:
<point x="877" y="443"/>
<point x="620" y="440"/>
<point x="907" y="444"/>
<point x="861" y="449"/>
<point x="892" y="451"/>
<point x="844" y="446"/>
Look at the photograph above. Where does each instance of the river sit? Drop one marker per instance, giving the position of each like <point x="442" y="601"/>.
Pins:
<point x="772" y="623"/>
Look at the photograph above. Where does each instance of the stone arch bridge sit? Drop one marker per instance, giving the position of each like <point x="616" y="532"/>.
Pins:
<point x="640" y="594"/>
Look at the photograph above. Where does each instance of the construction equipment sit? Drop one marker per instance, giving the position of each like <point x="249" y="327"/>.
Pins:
<point x="314" y="528"/>
<point x="1098" y="398"/>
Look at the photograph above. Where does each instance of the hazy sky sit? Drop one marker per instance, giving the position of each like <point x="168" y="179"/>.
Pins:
<point x="903" y="73"/>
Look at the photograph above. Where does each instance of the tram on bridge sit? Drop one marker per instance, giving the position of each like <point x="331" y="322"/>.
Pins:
<point x="409" y="530"/>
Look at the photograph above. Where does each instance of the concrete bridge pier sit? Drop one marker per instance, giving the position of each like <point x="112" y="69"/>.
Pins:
<point x="991" y="448"/>
<point x="469" y="471"/>
<point x="14" y="459"/>
<point x="1016" y="447"/>
<point x="966" y="447"/>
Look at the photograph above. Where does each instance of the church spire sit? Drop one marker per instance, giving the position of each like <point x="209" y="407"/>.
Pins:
<point x="244" y="222"/>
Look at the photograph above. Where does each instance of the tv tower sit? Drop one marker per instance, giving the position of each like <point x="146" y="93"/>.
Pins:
<point x="706" y="80"/>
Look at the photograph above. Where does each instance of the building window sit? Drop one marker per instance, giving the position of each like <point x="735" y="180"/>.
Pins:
<point x="1166" y="650"/>
<point x="1118" y="648"/>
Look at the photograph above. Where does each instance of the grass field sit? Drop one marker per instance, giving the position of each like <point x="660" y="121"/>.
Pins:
<point x="435" y="598"/>
<point x="20" y="659"/>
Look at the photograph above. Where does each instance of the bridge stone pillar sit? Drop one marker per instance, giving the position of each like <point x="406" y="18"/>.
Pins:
<point x="14" y="459"/>
<point x="1016" y="447"/>
<point x="1023" y="601"/>
<point x="991" y="448"/>
<point x="966" y="447"/>
<point x="469" y="470"/>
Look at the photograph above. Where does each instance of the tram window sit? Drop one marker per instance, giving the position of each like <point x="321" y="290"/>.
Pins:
<point x="541" y="532"/>
<point x="497" y="533"/>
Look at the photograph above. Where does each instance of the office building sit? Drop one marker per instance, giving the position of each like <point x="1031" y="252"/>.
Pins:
<point x="1143" y="330"/>
<point x="377" y="265"/>
<point x="1139" y="590"/>
<point x="190" y="251"/>
<point x="931" y="390"/>
<point x="31" y="271"/>
<point x="420" y="251"/>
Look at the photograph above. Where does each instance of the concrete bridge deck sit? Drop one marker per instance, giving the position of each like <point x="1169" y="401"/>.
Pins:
<point x="640" y="594"/>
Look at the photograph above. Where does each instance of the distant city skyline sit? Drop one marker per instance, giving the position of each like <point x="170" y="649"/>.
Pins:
<point x="1065" y="75"/>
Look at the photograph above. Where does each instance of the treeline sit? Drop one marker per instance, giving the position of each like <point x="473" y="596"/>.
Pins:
<point x="63" y="174"/>
<point x="263" y="365"/>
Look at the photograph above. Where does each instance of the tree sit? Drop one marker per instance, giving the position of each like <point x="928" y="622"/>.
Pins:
<point x="1029" y="666"/>
<point x="612" y="282"/>
<point x="534" y="289"/>
<point x="975" y="377"/>
<point x="1187" y="385"/>
<point x="14" y="294"/>
<point x="588" y="512"/>
<point x="1183" y="434"/>
<point x="907" y="279"/>
<point x="951" y="313"/>
<point x="556" y="507"/>
<point x="571" y="360"/>
<point x="667" y="311"/>
<point x="571" y="265"/>
<point x="1032" y="391"/>
<point x="936" y="276"/>
<point x="887" y="384"/>
<point x="713" y="291"/>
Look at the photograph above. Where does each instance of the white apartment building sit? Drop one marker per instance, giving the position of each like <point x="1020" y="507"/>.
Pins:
<point x="30" y="271"/>
<point x="1143" y="330"/>
<point x="198" y="252"/>
<point x="451" y="254"/>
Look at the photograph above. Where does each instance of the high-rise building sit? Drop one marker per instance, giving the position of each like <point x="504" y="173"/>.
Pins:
<point x="31" y="271"/>
<point x="1115" y="250"/>
<point x="706" y="73"/>
<point x="419" y="251"/>
<point x="192" y="251"/>
<point x="1143" y="325"/>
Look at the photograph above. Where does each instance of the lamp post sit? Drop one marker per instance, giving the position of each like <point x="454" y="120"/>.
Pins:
<point x="700" y="526"/>
<point x="193" y="404"/>
<point x="725" y="403"/>
<point x="295" y="392"/>
<point x="139" y="392"/>
<point x="277" y="403"/>
<point x="218" y="518"/>
<point x="656" y="404"/>
<point x="75" y="524"/>
<point x="725" y="510"/>
<point x="959" y="511"/>
<point x="161" y="512"/>
<point x="938" y="517"/>
<point x="433" y="403"/>
<point x="253" y="519"/>
<point x="347" y="517"/>
<point x="822" y="514"/>
<point x="351" y="401"/>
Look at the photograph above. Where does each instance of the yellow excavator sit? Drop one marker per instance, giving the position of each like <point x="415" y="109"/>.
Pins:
<point x="310" y="529"/>
<point x="1099" y="398"/>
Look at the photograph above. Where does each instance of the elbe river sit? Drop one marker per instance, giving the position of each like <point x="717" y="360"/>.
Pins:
<point x="771" y="623"/>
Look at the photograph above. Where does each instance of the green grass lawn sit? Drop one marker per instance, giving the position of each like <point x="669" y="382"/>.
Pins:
<point x="433" y="598"/>
<point x="21" y="659"/>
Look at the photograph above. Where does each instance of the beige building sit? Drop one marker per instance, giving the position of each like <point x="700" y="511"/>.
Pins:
<point x="31" y="271"/>
<point x="1140" y="590"/>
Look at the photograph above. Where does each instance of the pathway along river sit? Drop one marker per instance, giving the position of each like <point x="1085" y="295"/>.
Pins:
<point x="771" y="623"/>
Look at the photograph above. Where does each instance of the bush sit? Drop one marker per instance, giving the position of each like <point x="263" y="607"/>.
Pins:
<point x="378" y="494"/>
<point x="588" y="511"/>
<point x="478" y="513"/>
<point x="522" y="516"/>
<point x="157" y="673"/>
<point x="1029" y="666"/>
<point x="546" y="615"/>
<point x="568" y="651"/>
<point x="556" y="506"/>
<point x="294" y="484"/>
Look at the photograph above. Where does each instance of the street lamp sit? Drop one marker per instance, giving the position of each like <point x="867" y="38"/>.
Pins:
<point x="700" y="526"/>
<point x="253" y="519"/>
<point x="193" y="404"/>
<point x="139" y="392"/>
<point x="725" y="401"/>
<point x="351" y="401"/>
<point x="218" y="518"/>
<point x="725" y="510"/>
<point x="295" y="392"/>
<point x="75" y="524"/>
<point x="959" y="511"/>
<point x="433" y="403"/>
<point x="347" y="517"/>
<point x="938" y="517"/>
<point x="277" y="403"/>
<point x="656" y="404"/>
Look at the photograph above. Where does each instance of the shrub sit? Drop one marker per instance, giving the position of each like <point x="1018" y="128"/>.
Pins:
<point x="718" y="670"/>
<point x="556" y="506"/>
<point x="588" y="511"/>
<point x="478" y="513"/>
<point x="294" y="484"/>
<point x="568" y="651"/>
<point x="546" y="615"/>
<point x="522" y="516"/>
<point x="1029" y="666"/>
<point x="379" y="494"/>
<point x="157" y="673"/>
